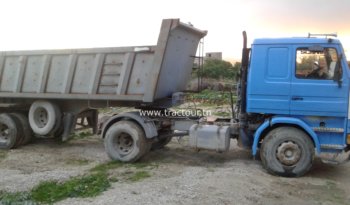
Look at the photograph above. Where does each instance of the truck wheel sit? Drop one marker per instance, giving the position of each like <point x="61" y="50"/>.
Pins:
<point x="287" y="151"/>
<point x="163" y="141"/>
<point x="24" y="124"/>
<point x="9" y="133"/>
<point x="58" y="133"/>
<point x="44" y="117"/>
<point x="125" y="141"/>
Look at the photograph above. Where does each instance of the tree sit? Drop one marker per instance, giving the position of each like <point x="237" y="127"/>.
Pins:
<point x="214" y="68"/>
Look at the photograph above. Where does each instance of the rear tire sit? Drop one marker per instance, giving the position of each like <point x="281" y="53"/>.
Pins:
<point x="163" y="141"/>
<point x="9" y="132"/>
<point x="44" y="117"/>
<point x="287" y="151"/>
<point x="58" y="133"/>
<point x="27" y="135"/>
<point x="126" y="141"/>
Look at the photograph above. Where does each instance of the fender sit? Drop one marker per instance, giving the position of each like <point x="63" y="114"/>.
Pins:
<point x="285" y="120"/>
<point x="147" y="124"/>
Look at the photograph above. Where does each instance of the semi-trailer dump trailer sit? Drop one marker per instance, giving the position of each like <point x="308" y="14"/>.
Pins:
<point x="293" y="99"/>
<point x="53" y="88"/>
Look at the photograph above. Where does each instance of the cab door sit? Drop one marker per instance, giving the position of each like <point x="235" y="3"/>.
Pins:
<point x="314" y="92"/>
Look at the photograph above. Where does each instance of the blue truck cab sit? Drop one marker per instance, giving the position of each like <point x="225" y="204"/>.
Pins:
<point x="292" y="105"/>
<point x="298" y="89"/>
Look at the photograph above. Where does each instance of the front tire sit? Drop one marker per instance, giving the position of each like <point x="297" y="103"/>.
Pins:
<point x="126" y="141"/>
<point x="287" y="151"/>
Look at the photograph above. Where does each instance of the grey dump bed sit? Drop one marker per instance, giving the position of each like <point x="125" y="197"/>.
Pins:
<point x="142" y="74"/>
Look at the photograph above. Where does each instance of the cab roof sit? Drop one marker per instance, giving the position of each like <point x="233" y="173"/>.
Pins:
<point x="296" y="40"/>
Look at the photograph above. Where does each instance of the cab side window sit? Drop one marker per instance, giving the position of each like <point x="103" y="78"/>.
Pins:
<point x="316" y="64"/>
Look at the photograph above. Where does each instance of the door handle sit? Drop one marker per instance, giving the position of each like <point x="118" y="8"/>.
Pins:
<point x="297" y="98"/>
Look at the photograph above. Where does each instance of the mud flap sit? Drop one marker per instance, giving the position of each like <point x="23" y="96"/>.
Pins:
<point x="69" y="121"/>
<point x="245" y="139"/>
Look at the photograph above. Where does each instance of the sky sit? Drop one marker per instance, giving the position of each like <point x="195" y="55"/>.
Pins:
<point x="57" y="24"/>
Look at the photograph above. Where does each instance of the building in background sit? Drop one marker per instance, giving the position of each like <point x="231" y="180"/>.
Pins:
<point x="213" y="55"/>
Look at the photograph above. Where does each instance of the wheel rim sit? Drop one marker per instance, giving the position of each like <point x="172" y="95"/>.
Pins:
<point x="288" y="153"/>
<point x="41" y="117"/>
<point x="124" y="143"/>
<point x="4" y="134"/>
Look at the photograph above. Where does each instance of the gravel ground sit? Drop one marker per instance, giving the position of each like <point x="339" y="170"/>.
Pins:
<point x="182" y="176"/>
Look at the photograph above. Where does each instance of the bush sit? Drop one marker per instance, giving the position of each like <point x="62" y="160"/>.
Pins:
<point x="217" y="69"/>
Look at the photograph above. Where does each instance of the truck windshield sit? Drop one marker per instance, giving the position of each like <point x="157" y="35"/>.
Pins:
<point x="316" y="64"/>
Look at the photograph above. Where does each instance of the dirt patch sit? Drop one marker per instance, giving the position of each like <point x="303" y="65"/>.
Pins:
<point x="173" y="175"/>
